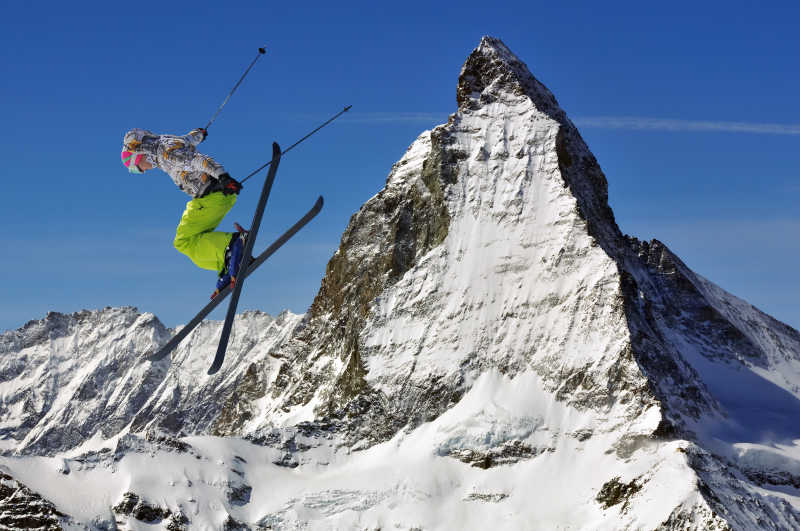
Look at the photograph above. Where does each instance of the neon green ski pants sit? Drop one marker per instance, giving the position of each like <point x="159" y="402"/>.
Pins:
<point x="196" y="237"/>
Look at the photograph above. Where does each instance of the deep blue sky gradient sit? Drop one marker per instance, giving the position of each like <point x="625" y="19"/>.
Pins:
<point x="80" y="232"/>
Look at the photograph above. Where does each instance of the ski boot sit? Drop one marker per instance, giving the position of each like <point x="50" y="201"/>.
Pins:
<point x="233" y="260"/>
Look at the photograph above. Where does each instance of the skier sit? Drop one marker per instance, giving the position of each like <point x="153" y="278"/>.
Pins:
<point x="213" y="193"/>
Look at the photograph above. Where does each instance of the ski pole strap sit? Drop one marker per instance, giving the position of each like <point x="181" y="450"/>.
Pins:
<point x="296" y="143"/>
<point x="261" y="51"/>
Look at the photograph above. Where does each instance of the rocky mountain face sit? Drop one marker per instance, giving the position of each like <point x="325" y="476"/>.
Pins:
<point x="486" y="348"/>
<point x="67" y="379"/>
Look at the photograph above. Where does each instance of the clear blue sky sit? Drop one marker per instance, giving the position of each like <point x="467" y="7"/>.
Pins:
<point x="691" y="108"/>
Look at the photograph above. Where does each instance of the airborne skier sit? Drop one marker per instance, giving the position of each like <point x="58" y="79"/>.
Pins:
<point x="213" y="193"/>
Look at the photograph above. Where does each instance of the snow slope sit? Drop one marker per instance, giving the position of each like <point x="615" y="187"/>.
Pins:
<point x="406" y="482"/>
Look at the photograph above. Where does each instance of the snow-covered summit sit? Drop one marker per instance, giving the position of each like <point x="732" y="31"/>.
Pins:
<point x="486" y="348"/>
<point x="492" y="71"/>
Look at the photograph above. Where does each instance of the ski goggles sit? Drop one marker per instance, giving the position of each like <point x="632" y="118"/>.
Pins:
<point x="131" y="161"/>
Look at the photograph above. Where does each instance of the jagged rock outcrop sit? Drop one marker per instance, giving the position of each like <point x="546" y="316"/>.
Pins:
<point x="21" y="508"/>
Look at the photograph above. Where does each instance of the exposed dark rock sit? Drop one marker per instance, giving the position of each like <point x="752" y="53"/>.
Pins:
<point x="683" y="519"/>
<point x="484" y="497"/>
<point x="583" y="435"/>
<point x="178" y="522"/>
<point x="615" y="492"/>
<point x="508" y="453"/>
<point x="128" y="504"/>
<point x="134" y="506"/>
<point x="773" y="477"/>
<point x="21" y="508"/>
<point x="239" y="494"/>
<point x="150" y="513"/>
<point x="231" y="524"/>
<point x="167" y="442"/>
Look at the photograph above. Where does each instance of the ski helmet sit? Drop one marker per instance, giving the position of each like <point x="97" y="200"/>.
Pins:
<point x="131" y="161"/>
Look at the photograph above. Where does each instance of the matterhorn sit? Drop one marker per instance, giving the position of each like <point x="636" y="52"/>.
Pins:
<point x="487" y="350"/>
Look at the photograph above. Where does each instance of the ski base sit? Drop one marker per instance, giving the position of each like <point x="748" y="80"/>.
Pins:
<point x="236" y="288"/>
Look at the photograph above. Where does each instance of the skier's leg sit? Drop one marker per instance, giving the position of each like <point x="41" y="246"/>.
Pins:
<point x="195" y="236"/>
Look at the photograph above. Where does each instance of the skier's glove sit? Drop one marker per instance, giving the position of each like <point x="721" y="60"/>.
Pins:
<point x="204" y="132"/>
<point x="229" y="184"/>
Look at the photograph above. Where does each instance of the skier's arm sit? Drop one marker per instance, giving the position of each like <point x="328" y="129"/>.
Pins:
<point x="195" y="136"/>
<point x="205" y="164"/>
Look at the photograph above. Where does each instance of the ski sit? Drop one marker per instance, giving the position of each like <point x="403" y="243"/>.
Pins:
<point x="257" y="261"/>
<point x="248" y="249"/>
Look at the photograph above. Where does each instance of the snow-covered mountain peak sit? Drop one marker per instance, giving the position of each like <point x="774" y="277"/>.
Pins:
<point x="493" y="72"/>
<point x="495" y="83"/>
<point x="481" y="253"/>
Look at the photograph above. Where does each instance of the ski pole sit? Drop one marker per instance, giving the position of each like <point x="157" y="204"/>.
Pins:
<point x="293" y="145"/>
<point x="261" y="51"/>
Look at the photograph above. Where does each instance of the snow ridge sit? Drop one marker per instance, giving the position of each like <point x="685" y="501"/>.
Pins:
<point x="69" y="379"/>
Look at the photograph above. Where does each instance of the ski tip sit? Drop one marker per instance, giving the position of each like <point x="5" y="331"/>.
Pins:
<point x="276" y="150"/>
<point x="319" y="203"/>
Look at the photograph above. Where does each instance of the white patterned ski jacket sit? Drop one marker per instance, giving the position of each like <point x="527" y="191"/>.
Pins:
<point x="193" y="172"/>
